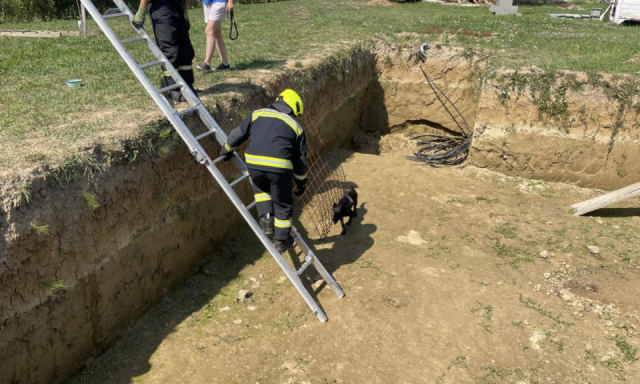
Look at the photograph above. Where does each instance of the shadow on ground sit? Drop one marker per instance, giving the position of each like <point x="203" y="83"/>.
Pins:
<point x="202" y="297"/>
<point x="615" y="212"/>
<point x="336" y="251"/>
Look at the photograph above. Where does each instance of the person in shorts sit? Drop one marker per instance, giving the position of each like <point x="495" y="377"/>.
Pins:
<point x="215" y="12"/>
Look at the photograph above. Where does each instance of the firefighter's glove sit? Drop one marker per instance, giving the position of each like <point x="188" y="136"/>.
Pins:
<point x="187" y="22"/>
<point x="226" y="155"/>
<point x="138" y="19"/>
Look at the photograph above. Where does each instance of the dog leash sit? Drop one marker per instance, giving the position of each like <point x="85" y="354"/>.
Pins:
<point x="232" y="20"/>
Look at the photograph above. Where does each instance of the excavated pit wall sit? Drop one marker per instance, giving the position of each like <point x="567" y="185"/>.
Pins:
<point x="401" y="101"/>
<point x="567" y="127"/>
<point x="66" y="292"/>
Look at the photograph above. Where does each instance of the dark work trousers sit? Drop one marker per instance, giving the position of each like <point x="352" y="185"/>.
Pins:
<point x="172" y="37"/>
<point x="274" y="194"/>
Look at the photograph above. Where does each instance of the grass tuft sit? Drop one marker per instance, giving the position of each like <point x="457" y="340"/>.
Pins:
<point x="90" y="200"/>
<point x="41" y="228"/>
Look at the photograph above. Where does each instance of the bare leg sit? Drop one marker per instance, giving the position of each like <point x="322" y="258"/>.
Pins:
<point x="217" y="34"/>
<point x="211" y="42"/>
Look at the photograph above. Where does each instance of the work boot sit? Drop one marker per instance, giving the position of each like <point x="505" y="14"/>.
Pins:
<point x="283" y="245"/>
<point x="266" y="223"/>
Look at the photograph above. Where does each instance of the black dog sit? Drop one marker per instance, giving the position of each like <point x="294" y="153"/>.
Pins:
<point x="344" y="208"/>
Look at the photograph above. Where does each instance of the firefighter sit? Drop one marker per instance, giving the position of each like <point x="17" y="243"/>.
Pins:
<point x="277" y="154"/>
<point x="171" y="24"/>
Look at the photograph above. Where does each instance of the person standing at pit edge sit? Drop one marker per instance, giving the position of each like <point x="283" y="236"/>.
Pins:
<point x="215" y="12"/>
<point x="277" y="154"/>
<point x="170" y="20"/>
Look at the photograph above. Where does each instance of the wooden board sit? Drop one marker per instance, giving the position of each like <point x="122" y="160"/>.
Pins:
<point x="47" y="34"/>
<point x="606" y="199"/>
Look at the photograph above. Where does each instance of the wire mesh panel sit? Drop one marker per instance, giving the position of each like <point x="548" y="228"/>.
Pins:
<point x="324" y="182"/>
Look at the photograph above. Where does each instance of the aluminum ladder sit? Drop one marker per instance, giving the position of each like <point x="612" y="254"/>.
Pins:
<point x="192" y="142"/>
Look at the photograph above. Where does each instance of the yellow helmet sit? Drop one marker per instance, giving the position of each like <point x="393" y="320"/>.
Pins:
<point x="293" y="100"/>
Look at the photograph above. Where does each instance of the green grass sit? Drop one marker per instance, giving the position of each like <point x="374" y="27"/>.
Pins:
<point x="37" y="105"/>
<point x="627" y="350"/>
<point x="40" y="228"/>
<point x="55" y="285"/>
<point x="90" y="200"/>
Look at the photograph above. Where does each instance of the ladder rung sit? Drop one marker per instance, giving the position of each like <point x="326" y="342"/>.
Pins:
<point x="132" y="40"/>
<point x="251" y="205"/>
<point x="169" y="88"/>
<point x="239" y="179"/>
<point x="151" y="64"/>
<point x="188" y="110"/>
<point x="114" y="15"/>
<point x="204" y="135"/>
<point x="307" y="262"/>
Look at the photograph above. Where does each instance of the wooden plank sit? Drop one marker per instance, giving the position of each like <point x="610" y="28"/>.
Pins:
<point x="606" y="199"/>
<point x="44" y="34"/>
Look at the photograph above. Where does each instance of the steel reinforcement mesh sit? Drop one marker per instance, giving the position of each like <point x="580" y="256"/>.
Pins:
<point x="324" y="183"/>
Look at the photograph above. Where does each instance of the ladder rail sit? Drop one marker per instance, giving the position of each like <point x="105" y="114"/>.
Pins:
<point x="169" y="112"/>
<point x="198" y="151"/>
<point x="315" y="308"/>
<point x="326" y="276"/>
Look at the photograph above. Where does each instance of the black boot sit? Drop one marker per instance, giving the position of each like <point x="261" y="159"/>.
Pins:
<point x="266" y="223"/>
<point x="282" y="246"/>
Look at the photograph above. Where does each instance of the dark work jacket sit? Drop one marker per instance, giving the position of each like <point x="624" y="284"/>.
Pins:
<point x="278" y="143"/>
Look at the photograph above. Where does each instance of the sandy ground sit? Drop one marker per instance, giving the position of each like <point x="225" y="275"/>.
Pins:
<point x="451" y="276"/>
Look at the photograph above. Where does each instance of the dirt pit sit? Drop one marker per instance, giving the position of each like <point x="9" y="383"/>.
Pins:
<point x="451" y="276"/>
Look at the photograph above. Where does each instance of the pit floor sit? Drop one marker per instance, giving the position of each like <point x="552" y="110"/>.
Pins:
<point x="444" y="283"/>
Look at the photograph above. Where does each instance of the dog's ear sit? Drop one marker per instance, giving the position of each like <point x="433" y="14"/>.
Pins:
<point x="335" y="205"/>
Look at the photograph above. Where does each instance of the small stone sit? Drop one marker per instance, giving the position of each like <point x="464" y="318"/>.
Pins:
<point x="261" y="276"/>
<point x="608" y="323"/>
<point x="549" y="222"/>
<point x="594" y="250"/>
<point x="525" y="322"/>
<point x="253" y="279"/>
<point x="566" y="297"/>
<point x="251" y="308"/>
<point x="224" y="309"/>
<point x="505" y="157"/>
<point x="281" y="280"/>
<point x="547" y="275"/>
<point x="544" y="254"/>
<point x="237" y="322"/>
<point x="243" y="295"/>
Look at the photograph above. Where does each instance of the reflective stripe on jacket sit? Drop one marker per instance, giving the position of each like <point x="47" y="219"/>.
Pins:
<point x="278" y="143"/>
